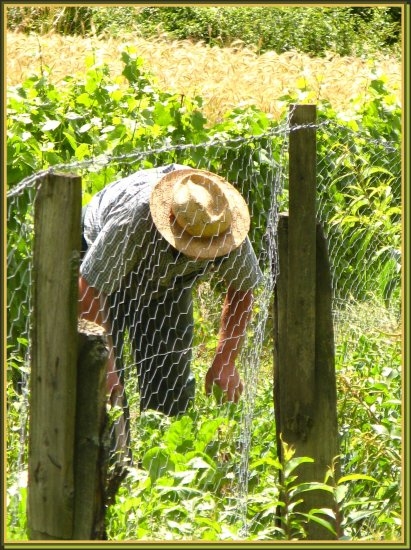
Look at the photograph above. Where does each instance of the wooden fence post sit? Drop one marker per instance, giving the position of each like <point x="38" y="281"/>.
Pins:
<point x="304" y="371"/>
<point x="68" y="485"/>
<point x="301" y="270"/>
<point x="91" y="434"/>
<point x="54" y="357"/>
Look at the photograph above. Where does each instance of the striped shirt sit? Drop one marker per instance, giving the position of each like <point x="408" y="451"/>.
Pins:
<point x="125" y="248"/>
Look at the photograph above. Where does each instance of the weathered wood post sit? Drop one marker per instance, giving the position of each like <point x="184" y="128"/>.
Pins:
<point x="91" y="448"/>
<point x="67" y="448"/>
<point x="54" y="357"/>
<point x="304" y="371"/>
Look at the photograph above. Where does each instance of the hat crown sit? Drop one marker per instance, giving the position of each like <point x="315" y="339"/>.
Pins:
<point x="189" y="200"/>
<point x="200" y="206"/>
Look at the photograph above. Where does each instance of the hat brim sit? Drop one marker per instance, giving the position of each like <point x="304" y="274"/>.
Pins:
<point x="198" y="247"/>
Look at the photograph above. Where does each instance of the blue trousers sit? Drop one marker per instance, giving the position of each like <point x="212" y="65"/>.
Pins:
<point x="161" y="337"/>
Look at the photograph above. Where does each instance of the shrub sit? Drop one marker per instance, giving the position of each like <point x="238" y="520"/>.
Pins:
<point x="345" y="31"/>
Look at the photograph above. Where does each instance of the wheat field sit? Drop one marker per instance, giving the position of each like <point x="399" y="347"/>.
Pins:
<point x="224" y="77"/>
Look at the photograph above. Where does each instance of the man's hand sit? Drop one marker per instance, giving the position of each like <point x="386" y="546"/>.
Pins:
<point x="225" y="377"/>
<point x="234" y="319"/>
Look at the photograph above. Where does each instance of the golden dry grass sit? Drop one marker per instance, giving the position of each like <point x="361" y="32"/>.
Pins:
<point x="224" y="77"/>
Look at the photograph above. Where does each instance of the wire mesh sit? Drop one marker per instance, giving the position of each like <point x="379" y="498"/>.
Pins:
<point x="164" y="310"/>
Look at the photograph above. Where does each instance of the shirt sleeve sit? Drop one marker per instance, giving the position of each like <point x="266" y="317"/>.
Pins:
<point x="241" y="270"/>
<point x="111" y="256"/>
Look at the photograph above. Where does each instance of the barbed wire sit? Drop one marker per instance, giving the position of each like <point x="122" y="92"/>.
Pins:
<point x="104" y="160"/>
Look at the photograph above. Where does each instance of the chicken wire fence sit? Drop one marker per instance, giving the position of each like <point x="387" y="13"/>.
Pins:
<point x="165" y="312"/>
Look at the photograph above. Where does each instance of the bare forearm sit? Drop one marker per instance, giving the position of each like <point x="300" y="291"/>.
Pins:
<point x="92" y="304"/>
<point x="234" y="320"/>
<point x="92" y="307"/>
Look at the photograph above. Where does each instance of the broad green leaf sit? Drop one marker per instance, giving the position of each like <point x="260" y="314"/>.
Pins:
<point x="50" y="125"/>
<point x="71" y="139"/>
<point x="200" y="463"/>
<point x="85" y="128"/>
<point x="293" y="463"/>
<point x="179" y="436"/>
<point x="320" y="521"/>
<point x="157" y="461"/>
<point x="72" y="115"/>
<point x="84" y="99"/>
<point x="82" y="151"/>
<point x="313" y="486"/>
<point x="356" y="477"/>
<point x="266" y="461"/>
<point x="208" y="432"/>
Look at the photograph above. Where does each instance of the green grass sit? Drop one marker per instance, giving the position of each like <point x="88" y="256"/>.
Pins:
<point x="188" y="479"/>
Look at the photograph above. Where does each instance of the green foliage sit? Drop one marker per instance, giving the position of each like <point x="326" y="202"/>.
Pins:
<point x="313" y="30"/>
<point x="97" y="118"/>
<point x="187" y="481"/>
<point x="93" y="117"/>
<point x="17" y="504"/>
<point x="359" y="189"/>
<point x="16" y="444"/>
<point x="19" y="254"/>
<point x="360" y="194"/>
<point x="370" y="412"/>
<point x="67" y="20"/>
<point x="187" y="485"/>
<point x="359" y="166"/>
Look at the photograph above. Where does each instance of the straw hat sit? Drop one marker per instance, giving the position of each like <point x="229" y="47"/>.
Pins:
<point x="199" y="213"/>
